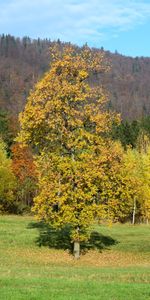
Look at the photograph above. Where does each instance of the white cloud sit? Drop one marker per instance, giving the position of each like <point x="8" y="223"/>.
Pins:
<point x="78" y="20"/>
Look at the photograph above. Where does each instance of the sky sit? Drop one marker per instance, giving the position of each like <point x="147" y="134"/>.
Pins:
<point x="122" y="25"/>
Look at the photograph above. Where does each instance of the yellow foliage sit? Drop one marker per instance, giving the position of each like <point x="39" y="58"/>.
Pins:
<point x="66" y="122"/>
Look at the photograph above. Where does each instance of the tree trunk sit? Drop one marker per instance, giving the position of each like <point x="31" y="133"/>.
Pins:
<point x="134" y="211"/>
<point x="76" y="249"/>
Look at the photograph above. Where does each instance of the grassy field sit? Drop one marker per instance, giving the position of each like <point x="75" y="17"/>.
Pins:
<point x="119" y="270"/>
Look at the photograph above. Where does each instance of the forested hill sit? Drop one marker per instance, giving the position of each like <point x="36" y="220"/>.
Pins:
<point x="23" y="61"/>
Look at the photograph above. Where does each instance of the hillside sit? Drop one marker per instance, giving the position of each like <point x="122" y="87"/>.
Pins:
<point x="23" y="62"/>
<point x="129" y="85"/>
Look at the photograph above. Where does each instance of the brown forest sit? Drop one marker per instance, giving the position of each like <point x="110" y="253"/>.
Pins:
<point x="23" y="62"/>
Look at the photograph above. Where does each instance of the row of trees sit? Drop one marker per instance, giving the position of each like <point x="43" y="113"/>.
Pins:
<point x="17" y="179"/>
<point x="124" y="190"/>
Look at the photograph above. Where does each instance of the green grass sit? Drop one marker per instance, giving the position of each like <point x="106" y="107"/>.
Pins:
<point x="119" y="272"/>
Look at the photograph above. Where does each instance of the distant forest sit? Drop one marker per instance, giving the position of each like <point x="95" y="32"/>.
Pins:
<point x="24" y="61"/>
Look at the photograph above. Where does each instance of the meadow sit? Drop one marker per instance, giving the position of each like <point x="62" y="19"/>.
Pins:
<point x="30" y="269"/>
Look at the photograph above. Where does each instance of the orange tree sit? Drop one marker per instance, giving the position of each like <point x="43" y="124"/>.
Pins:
<point x="7" y="181"/>
<point x="66" y="123"/>
<point x="25" y="171"/>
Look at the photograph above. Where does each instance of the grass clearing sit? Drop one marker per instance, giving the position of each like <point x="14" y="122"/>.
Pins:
<point x="119" y="272"/>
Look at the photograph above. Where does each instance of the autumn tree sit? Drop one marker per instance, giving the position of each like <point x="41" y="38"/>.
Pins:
<point x="25" y="171"/>
<point x="136" y="174"/>
<point x="114" y="185"/>
<point x="8" y="129"/>
<point x="7" y="181"/>
<point x="132" y="172"/>
<point x="145" y="208"/>
<point x="68" y="127"/>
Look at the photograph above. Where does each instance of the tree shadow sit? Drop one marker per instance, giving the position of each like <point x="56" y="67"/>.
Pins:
<point x="60" y="238"/>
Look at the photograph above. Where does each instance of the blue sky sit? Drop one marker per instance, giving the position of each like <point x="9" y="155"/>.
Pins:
<point x="122" y="25"/>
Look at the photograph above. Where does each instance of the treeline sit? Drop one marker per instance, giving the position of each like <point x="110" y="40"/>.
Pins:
<point x="17" y="169"/>
<point x="125" y="188"/>
<point x="24" y="61"/>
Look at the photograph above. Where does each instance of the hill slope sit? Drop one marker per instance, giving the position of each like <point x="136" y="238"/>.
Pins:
<point x="23" y="62"/>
